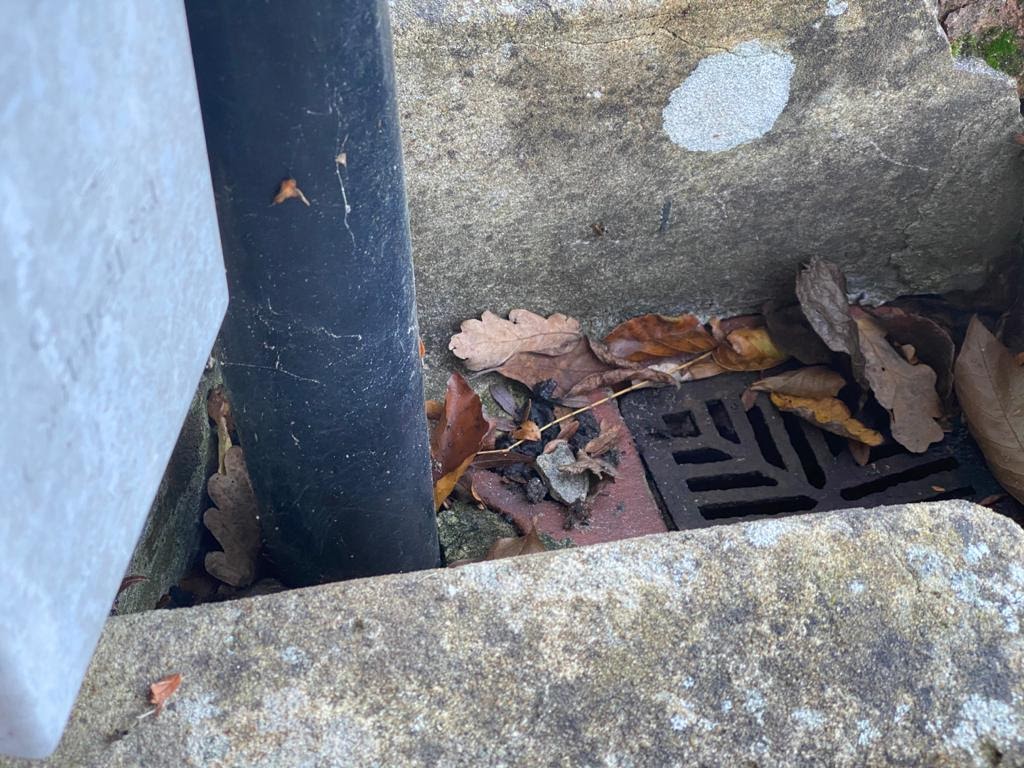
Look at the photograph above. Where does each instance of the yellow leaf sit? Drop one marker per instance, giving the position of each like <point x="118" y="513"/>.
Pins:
<point x="829" y="414"/>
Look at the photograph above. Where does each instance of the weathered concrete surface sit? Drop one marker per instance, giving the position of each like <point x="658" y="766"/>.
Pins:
<point x="169" y="541"/>
<point x="525" y="123"/>
<point x="889" y="636"/>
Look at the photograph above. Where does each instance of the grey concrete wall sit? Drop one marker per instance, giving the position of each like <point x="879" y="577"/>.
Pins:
<point x="169" y="544"/>
<point x="806" y="127"/>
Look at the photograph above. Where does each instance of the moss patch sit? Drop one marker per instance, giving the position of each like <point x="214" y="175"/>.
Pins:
<point x="999" y="48"/>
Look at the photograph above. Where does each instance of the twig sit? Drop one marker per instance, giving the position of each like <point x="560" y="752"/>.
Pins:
<point x="620" y="393"/>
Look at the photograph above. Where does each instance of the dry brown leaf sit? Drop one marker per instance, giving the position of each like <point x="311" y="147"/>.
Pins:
<point x="456" y="436"/>
<point x="505" y="399"/>
<point x="606" y="439"/>
<point x="829" y="414"/>
<point x="990" y="387"/>
<point x="821" y="289"/>
<point x="162" y="689"/>
<point x="748" y="349"/>
<point x="289" y="188"/>
<point x="234" y="522"/>
<point x="906" y="391"/>
<point x="521" y="545"/>
<point x="592" y="464"/>
<point x="435" y="409"/>
<point x="568" y="429"/>
<point x="931" y="343"/>
<point x="491" y="341"/>
<point x="528" y="431"/>
<point x="650" y="337"/>
<point x="554" y="444"/>
<point x="577" y="370"/>
<point x="814" y="382"/>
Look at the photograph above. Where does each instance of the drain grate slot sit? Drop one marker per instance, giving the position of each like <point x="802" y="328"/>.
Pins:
<point x="759" y="508"/>
<point x="919" y="472"/>
<point x="728" y="482"/>
<point x="712" y="462"/>
<point x="700" y="456"/>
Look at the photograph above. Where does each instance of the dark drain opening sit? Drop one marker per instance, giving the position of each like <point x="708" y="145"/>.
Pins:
<point x="812" y="470"/>
<point x="681" y="424"/>
<point x="763" y="437"/>
<point x="919" y="472"/>
<point x="723" y="423"/>
<point x="765" y="507"/>
<point x="700" y="456"/>
<point x="728" y="482"/>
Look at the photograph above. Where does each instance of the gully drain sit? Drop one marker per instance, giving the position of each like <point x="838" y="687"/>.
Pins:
<point x="712" y="462"/>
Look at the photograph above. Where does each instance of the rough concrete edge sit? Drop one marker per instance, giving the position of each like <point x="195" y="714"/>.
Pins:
<point x="169" y="542"/>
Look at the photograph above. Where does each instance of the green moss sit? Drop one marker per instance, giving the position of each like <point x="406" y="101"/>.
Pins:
<point x="999" y="48"/>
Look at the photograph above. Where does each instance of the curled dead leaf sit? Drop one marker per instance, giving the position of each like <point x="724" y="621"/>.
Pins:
<point x="748" y="349"/>
<point x="586" y="463"/>
<point x="456" y="436"/>
<point x="289" y="188"/>
<point x="650" y="337"/>
<point x="829" y="414"/>
<point x="435" y="409"/>
<point x="821" y="289"/>
<point x="162" y="690"/>
<point x="528" y="431"/>
<point x="606" y="439"/>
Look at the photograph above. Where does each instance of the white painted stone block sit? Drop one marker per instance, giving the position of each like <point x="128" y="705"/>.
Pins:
<point x="111" y="293"/>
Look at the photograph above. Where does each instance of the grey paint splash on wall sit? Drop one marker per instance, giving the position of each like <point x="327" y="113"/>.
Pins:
<point x="730" y="98"/>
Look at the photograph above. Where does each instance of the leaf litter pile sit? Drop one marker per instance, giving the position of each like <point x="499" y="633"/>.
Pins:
<point x="872" y="375"/>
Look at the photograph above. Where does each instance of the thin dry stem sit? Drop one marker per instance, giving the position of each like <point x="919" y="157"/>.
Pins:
<point x="614" y="395"/>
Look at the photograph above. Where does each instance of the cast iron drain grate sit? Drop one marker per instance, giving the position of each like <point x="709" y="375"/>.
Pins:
<point x="712" y="462"/>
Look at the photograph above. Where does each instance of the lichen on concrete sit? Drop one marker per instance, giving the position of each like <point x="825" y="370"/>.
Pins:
<point x="848" y="638"/>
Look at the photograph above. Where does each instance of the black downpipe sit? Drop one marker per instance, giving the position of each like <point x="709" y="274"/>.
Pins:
<point x="320" y="344"/>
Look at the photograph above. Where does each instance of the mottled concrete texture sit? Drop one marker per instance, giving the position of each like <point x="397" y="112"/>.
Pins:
<point x="881" y="637"/>
<point x="170" y="540"/>
<point x="526" y="122"/>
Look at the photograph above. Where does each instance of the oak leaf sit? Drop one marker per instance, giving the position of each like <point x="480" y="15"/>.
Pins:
<point x="931" y="343"/>
<point x="990" y="387"/>
<point x="830" y="414"/>
<point x="490" y="341"/>
<point x="651" y="337"/>
<point x="162" y="689"/>
<point x="234" y="522"/>
<point x="906" y="391"/>
<point x="456" y="437"/>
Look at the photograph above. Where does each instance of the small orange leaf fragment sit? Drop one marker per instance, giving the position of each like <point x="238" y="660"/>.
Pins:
<point x="289" y="188"/>
<point x="161" y="690"/>
<point x="528" y="431"/>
